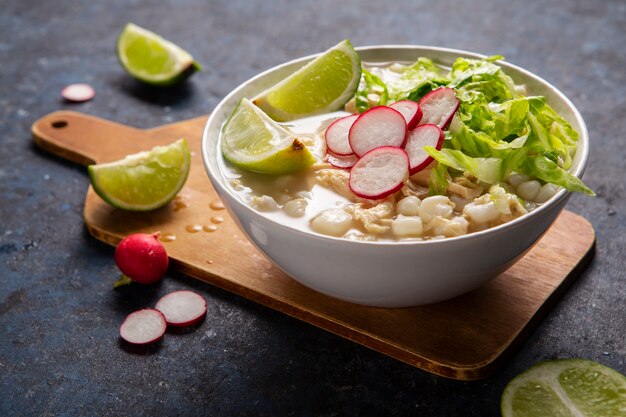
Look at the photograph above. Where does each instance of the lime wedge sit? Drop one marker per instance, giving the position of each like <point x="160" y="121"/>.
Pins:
<point x="152" y="59"/>
<point x="145" y="180"/>
<point x="321" y="86"/>
<point x="566" y="388"/>
<point x="254" y="142"/>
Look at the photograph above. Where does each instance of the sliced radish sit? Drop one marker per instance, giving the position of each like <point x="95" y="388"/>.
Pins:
<point x="78" y="92"/>
<point x="380" y="172"/>
<point x="410" y="110"/>
<point x="438" y="107"/>
<point x="143" y="326"/>
<point x="379" y="126"/>
<point x="182" y="308"/>
<point x="337" y="135"/>
<point x="422" y="135"/>
<point x="341" y="161"/>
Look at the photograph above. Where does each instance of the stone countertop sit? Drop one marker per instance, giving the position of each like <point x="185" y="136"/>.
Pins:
<point x="59" y="317"/>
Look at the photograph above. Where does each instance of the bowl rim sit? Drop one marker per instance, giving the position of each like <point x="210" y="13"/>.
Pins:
<point x="582" y="146"/>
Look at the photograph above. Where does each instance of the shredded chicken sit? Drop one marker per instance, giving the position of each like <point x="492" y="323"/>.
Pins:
<point x="441" y="226"/>
<point x="517" y="209"/>
<point x="421" y="178"/>
<point x="410" y="188"/>
<point x="467" y="193"/>
<point x="351" y="106"/>
<point x="336" y="180"/>
<point x="376" y="219"/>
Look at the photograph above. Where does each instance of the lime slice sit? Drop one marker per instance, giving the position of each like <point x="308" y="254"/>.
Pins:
<point x="254" y="142"/>
<point x="145" y="180"/>
<point x="152" y="59"/>
<point x="321" y="86"/>
<point x="566" y="388"/>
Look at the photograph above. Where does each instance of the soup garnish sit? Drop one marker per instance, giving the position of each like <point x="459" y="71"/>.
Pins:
<point x="419" y="152"/>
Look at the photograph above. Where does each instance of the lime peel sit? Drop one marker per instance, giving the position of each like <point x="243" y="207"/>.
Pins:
<point x="152" y="59"/>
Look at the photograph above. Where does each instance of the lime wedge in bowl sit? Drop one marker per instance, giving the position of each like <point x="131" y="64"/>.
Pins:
<point x="321" y="86"/>
<point x="254" y="142"/>
<point x="566" y="388"/>
<point x="145" y="180"/>
<point x="152" y="59"/>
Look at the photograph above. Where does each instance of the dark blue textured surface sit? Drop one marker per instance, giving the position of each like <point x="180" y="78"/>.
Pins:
<point x="59" y="317"/>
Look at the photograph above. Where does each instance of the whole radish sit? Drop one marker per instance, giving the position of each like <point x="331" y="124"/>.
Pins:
<point x="142" y="258"/>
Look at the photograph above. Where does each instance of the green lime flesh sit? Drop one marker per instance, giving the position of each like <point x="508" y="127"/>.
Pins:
<point x="152" y="59"/>
<point x="323" y="85"/>
<point x="252" y="141"/>
<point x="566" y="388"/>
<point x="144" y="181"/>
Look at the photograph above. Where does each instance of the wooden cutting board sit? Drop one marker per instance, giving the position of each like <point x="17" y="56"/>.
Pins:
<point x="466" y="338"/>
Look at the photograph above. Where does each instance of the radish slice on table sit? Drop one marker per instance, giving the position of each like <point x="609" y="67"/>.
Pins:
<point x="422" y="135"/>
<point x="410" y="110"/>
<point x="336" y="135"/>
<point x="379" y="126"/>
<point x="379" y="173"/>
<point x="143" y="326"/>
<point x="78" y="92"/>
<point x="438" y="107"/>
<point x="182" y="308"/>
<point x="341" y="161"/>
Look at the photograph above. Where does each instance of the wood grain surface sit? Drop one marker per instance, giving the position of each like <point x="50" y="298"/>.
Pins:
<point x="464" y="338"/>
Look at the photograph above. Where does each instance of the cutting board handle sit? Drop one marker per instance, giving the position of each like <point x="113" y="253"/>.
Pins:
<point x="85" y="139"/>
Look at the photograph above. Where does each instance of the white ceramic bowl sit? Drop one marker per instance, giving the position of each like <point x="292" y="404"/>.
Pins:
<point x="391" y="274"/>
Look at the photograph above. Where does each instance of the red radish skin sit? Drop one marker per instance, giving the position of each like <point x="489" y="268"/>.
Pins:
<point x="410" y="110"/>
<point x="336" y="135"/>
<point x="438" y="107"/>
<point x="421" y="136"/>
<point x="341" y="162"/>
<point x="142" y="257"/>
<point x="379" y="173"/>
<point x="379" y="126"/>
<point x="182" y="308"/>
<point x="143" y="326"/>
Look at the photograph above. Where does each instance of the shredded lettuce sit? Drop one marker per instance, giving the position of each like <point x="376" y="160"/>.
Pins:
<point x="417" y="80"/>
<point x="481" y="77"/>
<point x="495" y="131"/>
<point x="488" y="170"/>
<point x="547" y="170"/>
<point x="438" y="182"/>
<point x="370" y="84"/>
